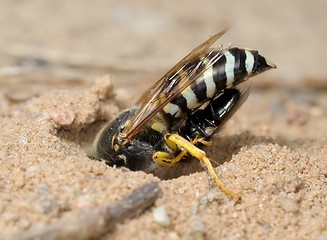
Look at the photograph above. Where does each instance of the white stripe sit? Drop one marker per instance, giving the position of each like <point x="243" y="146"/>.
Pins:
<point x="249" y="62"/>
<point x="172" y="109"/>
<point x="190" y="97"/>
<point x="229" y="69"/>
<point x="210" y="83"/>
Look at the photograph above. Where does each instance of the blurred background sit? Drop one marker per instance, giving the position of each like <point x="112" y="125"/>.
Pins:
<point x="46" y="45"/>
<point x="65" y="44"/>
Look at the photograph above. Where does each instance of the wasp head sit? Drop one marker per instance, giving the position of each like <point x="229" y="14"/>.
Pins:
<point x="134" y="154"/>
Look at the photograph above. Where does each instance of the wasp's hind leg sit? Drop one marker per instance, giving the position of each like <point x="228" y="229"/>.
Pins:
<point x="176" y="140"/>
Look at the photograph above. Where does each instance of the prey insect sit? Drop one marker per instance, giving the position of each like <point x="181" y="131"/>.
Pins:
<point x="182" y="111"/>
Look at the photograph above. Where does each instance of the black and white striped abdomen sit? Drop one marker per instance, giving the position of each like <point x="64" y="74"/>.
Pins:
<point x="234" y="66"/>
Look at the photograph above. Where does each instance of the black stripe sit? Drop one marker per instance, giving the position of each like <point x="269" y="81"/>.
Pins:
<point x="255" y="56"/>
<point x="242" y="70"/>
<point x="239" y="67"/>
<point x="182" y="103"/>
<point x="236" y="53"/>
<point x="219" y="74"/>
<point x="200" y="90"/>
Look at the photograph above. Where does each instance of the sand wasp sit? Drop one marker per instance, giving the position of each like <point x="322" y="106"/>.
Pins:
<point x="182" y="110"/>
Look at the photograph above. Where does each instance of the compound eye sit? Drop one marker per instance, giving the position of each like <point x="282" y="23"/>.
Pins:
<point x="120" y="160"/>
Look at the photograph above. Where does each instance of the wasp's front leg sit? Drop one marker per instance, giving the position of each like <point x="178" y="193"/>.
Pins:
<point x="168" y="159"/>
<point x="175" y="140"/>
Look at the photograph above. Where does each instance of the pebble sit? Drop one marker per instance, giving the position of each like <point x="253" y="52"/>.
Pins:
<point x="45" y="132"/>
<point x="37" y="116"/>
<point x="289" y="204"/>
<point x="63" y="117"/>
<point x="46" y="205"/>
<point x="22" y="139"/>
<point x="161" y="217"/>
<point x="32" y="171"/>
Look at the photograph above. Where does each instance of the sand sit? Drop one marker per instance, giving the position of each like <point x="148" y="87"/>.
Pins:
<point x="272" y="152"/>
<point x="46" y="175"/>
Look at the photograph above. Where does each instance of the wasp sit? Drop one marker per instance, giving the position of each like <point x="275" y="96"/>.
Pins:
<point x="181" y="112"/>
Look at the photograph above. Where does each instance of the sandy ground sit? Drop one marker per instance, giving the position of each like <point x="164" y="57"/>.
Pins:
<point x="55" y="95"/>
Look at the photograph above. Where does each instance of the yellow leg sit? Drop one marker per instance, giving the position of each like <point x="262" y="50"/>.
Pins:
<point x="201" y="140"/>
<point x="199" y="154"/>
<point x="169" y="160"/>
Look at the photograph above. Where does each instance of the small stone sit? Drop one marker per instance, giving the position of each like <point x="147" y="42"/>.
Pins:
<point x="46" y="205"/>
<point x="63" y="117"/>
<point x="289" y="204"/>
<point x="212" y="195"/>
<point x="45" y="132"/>
<point x="292" y="116"/>
<point x="265" y="225"/>
<point x="22" y="139"/>
<point x="32" y="171"/>
<point x="84" y="202"/>
<point x="19" y="181"/>
<point x="161" y="217"/>
<point x="37" y="116"/>
<point x="24" y="223"/>
<point x="194" y="235"/>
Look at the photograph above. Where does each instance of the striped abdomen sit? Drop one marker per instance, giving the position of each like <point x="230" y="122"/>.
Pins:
<point x="234" y="66"/>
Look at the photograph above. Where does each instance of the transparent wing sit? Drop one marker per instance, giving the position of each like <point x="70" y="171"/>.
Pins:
<point x="173" y="83"/>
